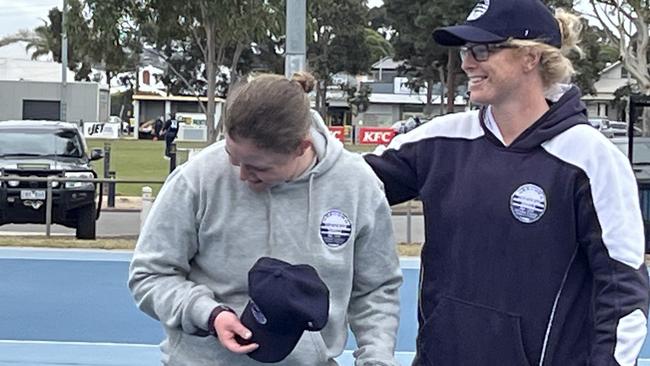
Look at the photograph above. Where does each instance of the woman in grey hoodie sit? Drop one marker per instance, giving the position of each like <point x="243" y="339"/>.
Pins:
<point x="274" y="187"/>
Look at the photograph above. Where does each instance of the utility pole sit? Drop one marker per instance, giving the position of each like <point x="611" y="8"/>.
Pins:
<point x="64" y="63"/>
<point x="294" y="59"/>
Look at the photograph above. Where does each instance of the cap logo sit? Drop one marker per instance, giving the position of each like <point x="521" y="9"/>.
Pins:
<point x="335" y="228"/>
<point x="528" y="203"/>
<point x="257" y="314"/>
<point x="479" y="9"/>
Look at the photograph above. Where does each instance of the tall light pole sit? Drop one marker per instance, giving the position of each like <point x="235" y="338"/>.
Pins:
<point x="294" y="59"/>
<point x="64" y="63"/>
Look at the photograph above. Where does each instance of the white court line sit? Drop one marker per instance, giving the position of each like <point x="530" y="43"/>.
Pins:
<point x="65" y="254"/>
<point x="345" y="357"/>
<point x="89" y="344"/>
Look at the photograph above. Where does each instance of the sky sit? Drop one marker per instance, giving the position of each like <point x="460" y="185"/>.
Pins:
<point x="27" y="14"/>
<point x="24" y="14"/>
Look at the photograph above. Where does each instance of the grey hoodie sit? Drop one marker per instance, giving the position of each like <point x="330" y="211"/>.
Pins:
<point x="207" y="228"/>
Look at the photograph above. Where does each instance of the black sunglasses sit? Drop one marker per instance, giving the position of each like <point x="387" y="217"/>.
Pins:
<point x="481" y="52"/>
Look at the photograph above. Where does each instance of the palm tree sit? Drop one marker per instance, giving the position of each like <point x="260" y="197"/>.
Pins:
<point x="43" y="42"/>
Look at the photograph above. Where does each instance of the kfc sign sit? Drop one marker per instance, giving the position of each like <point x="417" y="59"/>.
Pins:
<point x="338" y="132"/>
<point x="375" y="135"/>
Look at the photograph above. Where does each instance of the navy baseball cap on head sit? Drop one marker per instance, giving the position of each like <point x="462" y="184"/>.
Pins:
<point x="285" y="300"/>
<point x="494" y="21"/>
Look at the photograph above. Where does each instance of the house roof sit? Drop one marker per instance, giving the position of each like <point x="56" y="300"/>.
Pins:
<point x="408" y="99"/>
<point x="174" y="98"/>
<point x="610" y="67"/>
<point x="387" y="63"/>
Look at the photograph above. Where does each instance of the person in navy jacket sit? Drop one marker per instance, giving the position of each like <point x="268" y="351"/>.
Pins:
<point x="534" y="251"/>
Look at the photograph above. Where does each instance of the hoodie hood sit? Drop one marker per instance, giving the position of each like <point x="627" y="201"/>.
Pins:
<point x="328" y="149"/>
<point x="566" y="110"/>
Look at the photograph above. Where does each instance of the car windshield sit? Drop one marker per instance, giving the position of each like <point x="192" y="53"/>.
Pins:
<point x="641" y="153"/>
<point x="20" y="142"/>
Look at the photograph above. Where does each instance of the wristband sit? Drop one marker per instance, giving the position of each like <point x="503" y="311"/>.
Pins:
<point x="213" y="315"/>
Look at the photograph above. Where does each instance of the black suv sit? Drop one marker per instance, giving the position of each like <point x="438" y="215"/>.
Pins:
<point x="47" y="149"/>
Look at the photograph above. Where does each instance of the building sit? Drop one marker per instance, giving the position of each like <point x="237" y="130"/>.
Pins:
<point x="602" y="103"/>
<point x="148" y="107"/>
<point x="84" y="102"/>
<point x="391" y="100"/>
<point x="32" y="89"/>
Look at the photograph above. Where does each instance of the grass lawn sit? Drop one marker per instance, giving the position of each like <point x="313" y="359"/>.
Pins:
<point x="143" y="160"/>
<point x="137" y="159"/>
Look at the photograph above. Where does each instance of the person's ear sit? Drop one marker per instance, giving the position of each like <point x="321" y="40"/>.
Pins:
<point x="304" y="146"/>
<point x="532" y="58"/>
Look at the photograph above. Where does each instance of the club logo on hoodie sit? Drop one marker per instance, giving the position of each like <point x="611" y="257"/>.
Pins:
<point x="528" y="203"/>
<point x="335" y="228"/>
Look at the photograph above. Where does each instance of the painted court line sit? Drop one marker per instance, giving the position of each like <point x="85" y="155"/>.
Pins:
<point x="28" y="353"/>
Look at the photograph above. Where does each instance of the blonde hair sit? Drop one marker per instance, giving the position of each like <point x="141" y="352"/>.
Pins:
<point x="305" y="79"/>
<point x="554" y="65"/>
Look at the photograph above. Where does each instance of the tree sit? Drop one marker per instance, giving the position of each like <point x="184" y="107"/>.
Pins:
<point x="336" y="42"/>
<point x="216" y="31"/>
<point x="378" y="46"/>
<point x="597" y="51"/>
<point x="358" y="100"/>
<point x="626" y="25"/>
<point x="112" y="40"/>
<point x="597" y="54"/>
<point x="425" y="62"/>
<point x="47" y="38"/>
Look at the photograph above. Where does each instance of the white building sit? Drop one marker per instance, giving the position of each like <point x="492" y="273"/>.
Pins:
<point x="612" y="78"/>
<point x="32" y="89"/>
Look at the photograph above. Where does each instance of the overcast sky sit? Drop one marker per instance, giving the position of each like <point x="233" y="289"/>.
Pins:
<point x="24" y="14"/>
<point x="27" y="14"/>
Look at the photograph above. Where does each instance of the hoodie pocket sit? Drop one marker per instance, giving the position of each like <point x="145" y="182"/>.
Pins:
<point x="461" y="333"/>
<point x="310" y="350"/>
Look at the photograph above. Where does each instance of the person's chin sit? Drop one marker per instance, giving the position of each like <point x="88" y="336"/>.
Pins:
<point x="478" y="98"/>
<point x="258" y="186"/>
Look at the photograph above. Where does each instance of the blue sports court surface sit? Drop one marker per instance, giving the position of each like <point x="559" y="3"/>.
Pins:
<point x="72" y="307"/>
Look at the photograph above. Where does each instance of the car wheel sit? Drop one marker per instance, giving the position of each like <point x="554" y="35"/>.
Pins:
<point x="86" y="222"/>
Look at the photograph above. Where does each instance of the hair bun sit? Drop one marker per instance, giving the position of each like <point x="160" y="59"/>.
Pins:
<point x="305" y="79"/>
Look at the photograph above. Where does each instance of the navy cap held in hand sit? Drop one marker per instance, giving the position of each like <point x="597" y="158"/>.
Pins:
<point x="285" y="300"/>
<point x="494" y="21"/>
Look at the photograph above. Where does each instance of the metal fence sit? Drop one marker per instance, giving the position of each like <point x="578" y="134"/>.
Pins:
<point x="147" y="196"/>
<point x="49" y="190"/>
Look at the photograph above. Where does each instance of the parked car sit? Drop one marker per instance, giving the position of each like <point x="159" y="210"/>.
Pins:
<point x="47" y="149"/>
<point x="612" y="128"/>
<point x="602" y="125"/>
<point x="641" y="167"/>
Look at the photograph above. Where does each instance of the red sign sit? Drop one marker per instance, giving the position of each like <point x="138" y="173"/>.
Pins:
<point x="375" y="135"/>
<point x="338" y="132"/>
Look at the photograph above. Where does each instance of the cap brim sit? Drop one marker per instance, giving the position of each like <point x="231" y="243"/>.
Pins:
<point x="273" y="346"/>
<point x="459" y="35"/>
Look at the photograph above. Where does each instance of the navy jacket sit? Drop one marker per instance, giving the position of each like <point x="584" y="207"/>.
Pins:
<point x="534" y="252"/>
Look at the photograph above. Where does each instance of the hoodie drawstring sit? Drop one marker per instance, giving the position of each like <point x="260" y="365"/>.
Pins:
<point x="269" y="213"/>
<point x="309" y="191"/>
